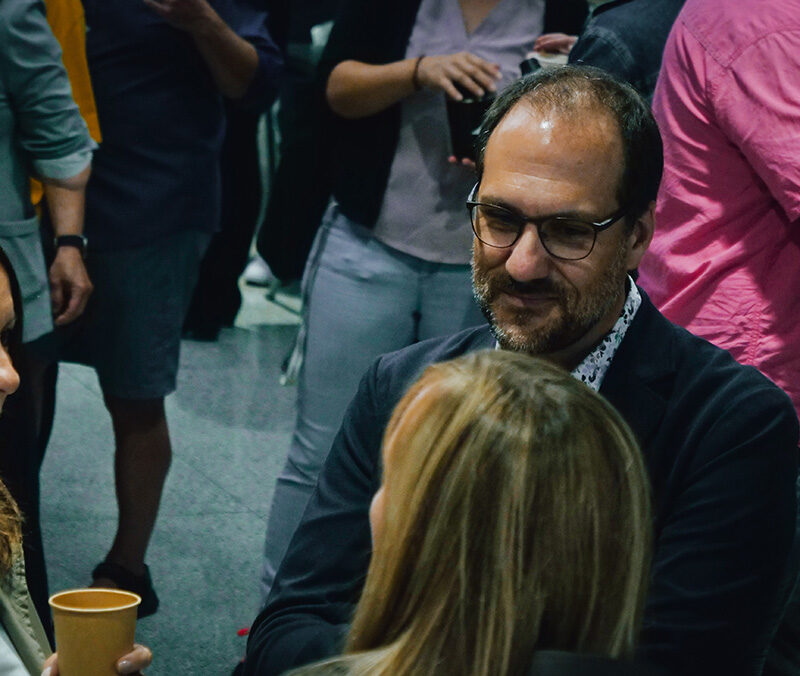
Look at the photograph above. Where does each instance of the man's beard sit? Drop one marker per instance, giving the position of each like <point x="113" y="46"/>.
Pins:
<point x="522" y="331"/>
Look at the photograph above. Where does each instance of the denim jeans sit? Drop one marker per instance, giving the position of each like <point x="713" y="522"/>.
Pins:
<point x="363" y="299"/>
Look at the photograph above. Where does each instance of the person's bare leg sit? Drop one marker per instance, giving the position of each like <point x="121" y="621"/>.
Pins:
<point x="142" y="460"/>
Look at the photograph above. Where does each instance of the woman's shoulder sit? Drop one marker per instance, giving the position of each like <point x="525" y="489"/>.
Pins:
<point x="561" y="663"/>
<point x="18" y="616"/>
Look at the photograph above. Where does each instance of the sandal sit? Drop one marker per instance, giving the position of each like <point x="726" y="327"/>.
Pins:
<point x="138" y="584"/>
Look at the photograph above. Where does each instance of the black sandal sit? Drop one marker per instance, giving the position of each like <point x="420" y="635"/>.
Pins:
<point x="138" y="584"/>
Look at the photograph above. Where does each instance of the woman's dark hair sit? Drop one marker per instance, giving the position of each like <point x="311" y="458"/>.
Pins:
<point x="583" y="89"/>
<point x="15" y="339"/>
<point x="10" y="516"/>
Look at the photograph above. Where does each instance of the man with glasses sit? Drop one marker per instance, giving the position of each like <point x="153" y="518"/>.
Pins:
<point x="568" y="170"/>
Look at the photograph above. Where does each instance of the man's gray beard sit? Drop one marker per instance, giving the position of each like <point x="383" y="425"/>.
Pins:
<point x="577" y="317"/>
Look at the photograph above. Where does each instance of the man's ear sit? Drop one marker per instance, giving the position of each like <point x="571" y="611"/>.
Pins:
<point x="640" y="236"/>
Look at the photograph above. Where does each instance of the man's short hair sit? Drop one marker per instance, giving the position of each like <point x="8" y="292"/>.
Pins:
<point x="583" y="90"/>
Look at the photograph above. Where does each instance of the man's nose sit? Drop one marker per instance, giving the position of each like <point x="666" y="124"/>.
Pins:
<point x="9" y="378"/>
<point x="528" y="259"/>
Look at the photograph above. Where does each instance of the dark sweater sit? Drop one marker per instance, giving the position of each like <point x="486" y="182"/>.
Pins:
<point x="157" y="171"/>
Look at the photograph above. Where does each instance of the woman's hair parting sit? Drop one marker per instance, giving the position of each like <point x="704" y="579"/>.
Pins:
<point x="517" y="518"/>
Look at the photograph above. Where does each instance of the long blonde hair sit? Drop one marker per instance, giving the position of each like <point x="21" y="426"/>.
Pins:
<point x="517" y="518"/>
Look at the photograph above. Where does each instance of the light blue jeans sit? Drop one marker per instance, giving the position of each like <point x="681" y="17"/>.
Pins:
<point x="362" y="299"/>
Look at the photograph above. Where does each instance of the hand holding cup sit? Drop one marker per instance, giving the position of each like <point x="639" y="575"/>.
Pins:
<point x="132" y="664"/>
<point x="449" y="72"/>
<point x="95" y="630"/>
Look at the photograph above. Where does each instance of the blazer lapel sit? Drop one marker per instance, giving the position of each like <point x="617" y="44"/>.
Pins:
<point x="642" y="372"/>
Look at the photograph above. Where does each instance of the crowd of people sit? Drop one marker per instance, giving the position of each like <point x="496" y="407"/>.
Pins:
<point x="547" y="395"/>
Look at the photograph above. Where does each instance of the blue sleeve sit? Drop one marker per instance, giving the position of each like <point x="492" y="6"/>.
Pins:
<point x="50" y="128"/>
<point x="599" y="47"/>
<point x="249" y="21"/>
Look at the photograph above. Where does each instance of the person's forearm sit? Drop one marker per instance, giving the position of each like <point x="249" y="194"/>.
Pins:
<point x="232" y="60"/>
<point x="65" y="202"/>
<point x="357" y="89"/>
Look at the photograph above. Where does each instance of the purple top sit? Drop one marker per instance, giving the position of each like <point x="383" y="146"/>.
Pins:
<point x="423" y="211"/>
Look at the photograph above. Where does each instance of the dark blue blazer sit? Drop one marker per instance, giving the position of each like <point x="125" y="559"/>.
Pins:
<point x="720" y="445"/>
<point x="558" y="663"/>
<point x="627" y="38"/>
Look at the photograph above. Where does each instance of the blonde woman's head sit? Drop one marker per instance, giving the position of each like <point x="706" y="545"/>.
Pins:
<point x="513" y="516"/>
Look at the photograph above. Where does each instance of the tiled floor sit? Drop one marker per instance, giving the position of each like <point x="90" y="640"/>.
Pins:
<point x="230" y="423"/>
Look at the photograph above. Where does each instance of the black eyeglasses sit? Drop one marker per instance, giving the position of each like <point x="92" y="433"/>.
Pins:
<point x="562" y="237"/>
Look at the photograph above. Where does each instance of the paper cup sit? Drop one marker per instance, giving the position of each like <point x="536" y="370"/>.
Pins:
<point x="549" y="60"/>
<point x="94" y="628"/>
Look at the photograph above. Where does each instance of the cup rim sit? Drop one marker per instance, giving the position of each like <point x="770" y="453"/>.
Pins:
<point x="56" y="599"/>
<point x="550" y="58"/>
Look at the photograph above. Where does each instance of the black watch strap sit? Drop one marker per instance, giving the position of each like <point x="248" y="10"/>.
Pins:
<point x="78" y="241"/>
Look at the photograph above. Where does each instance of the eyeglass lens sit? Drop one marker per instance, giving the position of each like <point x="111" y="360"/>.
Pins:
<point x="561" y="237"/>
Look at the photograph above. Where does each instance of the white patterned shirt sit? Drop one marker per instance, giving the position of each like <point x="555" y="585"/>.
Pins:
<point x="595" y="365"/>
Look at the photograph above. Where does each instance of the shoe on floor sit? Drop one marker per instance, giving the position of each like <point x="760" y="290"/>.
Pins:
<point x="125" y="579"/>
<point x="257" y="273"/>
<point x="201" y="332"/>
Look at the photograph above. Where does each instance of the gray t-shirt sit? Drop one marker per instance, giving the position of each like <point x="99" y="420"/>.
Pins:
<point x="423" y="212"/>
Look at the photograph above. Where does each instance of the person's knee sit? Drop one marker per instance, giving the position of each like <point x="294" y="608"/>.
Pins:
<point x="140" y="425"/>
<point x="135" y="411"/>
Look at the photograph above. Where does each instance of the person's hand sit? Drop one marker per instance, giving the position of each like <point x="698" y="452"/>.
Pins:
<point x="466" y="70"/>
<point x="70" y="286"/>
<point x="186" y="15"/>
<point x="132" y="663"/>
<point x="558" y="43"/>
<point x="464" y="161"/>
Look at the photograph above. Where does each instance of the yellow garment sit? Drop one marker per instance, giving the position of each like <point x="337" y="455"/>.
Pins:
<point x="67" y="21"/>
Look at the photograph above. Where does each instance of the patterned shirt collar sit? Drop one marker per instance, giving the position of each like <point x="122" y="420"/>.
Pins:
<point x="595" y="365"/>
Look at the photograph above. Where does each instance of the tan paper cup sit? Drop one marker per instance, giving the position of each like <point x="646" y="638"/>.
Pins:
<point x="550" y="60"/>
<point x="94" y="628"/>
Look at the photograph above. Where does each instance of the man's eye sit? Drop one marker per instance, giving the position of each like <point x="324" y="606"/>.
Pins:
<point x="501" y="220"/>
<point x="5" y="337"/>
<point x="568" y="230"/>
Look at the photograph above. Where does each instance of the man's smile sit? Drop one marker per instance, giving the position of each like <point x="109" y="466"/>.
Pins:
<point x="528" y="301"/>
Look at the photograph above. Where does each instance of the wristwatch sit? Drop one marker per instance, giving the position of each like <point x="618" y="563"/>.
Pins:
<point x="78" y="241"/>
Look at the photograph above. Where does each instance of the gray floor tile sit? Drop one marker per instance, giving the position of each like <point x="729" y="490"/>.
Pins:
<point x="73" y="548"/>
<point x="204" y="569"/>
<point x="230" y="422"/>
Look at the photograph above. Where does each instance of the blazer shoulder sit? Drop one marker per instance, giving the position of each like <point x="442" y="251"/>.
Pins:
<point x="664" y="372"/>
<point x="725" y="402"/>
<point x="395" y="371"/>
<point x="701" y="361"/>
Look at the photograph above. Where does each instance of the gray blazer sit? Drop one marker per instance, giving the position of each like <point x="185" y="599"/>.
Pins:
<point x="42" y="133"/>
